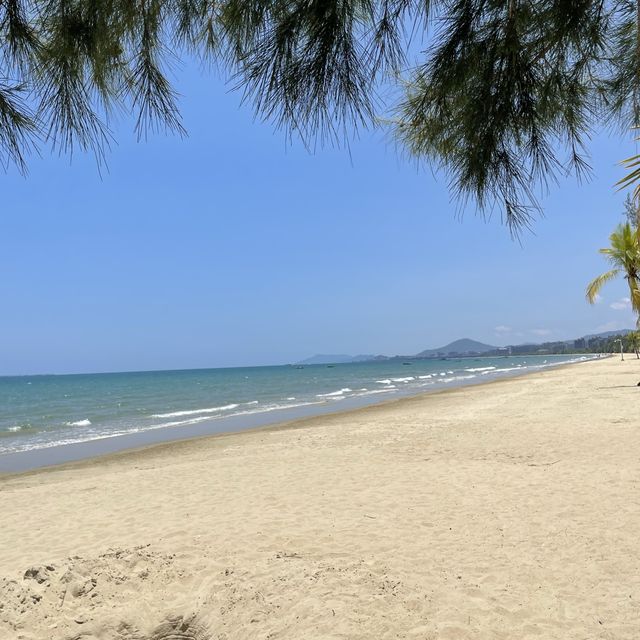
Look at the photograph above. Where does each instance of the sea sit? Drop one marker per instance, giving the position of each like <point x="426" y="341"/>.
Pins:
<point x="47" y="412"/>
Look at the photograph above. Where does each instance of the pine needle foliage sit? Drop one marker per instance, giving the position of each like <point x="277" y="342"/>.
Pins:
<point x="502" y="96"/>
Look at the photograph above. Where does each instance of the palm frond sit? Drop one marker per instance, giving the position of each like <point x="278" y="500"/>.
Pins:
<point x="633" y="177"/>
<point x="596" y="284"/>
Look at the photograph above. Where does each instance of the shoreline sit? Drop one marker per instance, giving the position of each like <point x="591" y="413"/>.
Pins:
<point x="501" y="510"/>
<point x="92" y="451"/>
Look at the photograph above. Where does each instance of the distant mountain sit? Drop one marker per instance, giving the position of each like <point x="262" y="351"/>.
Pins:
<point x="367" y="358"/>
<point x="322" y="358"/>
<point x="458" y="347"/>
<point x="608" y="334"/>
<point x="466" y="347"/>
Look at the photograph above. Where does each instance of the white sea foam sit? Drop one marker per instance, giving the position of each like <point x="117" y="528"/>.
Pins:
<point x="425" y="377"/>
<point x="263" y="409"/>
<point x="484" y="373"/>
<point x="79" y="423"/>
<point x="196" y="420"/>
<point x="481" y="369"/>
<point x="333" y="394"/>
<point x="375" y="391"/>
<point x="195" y="412"/>
<point x="54" y="443"/>
<point x="17" y="427"/>
<point x="387" y="381"/>
<point x="402" y="379"/>
<point x="181" y="423"/>
<point x="277" y="407"/>
<point x="456" y="378"/>
<point x="292" y="398"/>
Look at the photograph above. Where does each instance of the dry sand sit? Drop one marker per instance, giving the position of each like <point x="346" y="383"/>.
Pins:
<point x="506" y="510"/>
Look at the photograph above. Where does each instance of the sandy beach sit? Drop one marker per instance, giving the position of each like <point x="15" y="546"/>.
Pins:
<point x="505" y="510"/>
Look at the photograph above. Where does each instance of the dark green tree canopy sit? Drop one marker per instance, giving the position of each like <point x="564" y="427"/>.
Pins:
<point x="501" y="95"/>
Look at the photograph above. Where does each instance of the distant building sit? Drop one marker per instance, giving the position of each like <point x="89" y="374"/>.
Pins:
<point x="580" y="343"/>
<point x="595" y="343"/>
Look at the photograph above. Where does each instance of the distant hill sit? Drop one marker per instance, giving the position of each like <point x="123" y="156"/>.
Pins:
<point x="608" y="334"/>
<point x="322" y="358"/>
<point x="467" y="347"/>
<point x="458" y="347"/>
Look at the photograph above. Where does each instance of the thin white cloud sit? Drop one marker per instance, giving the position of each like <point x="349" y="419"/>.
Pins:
<point x="501" y="328"/>
<point x="541" y="332"/>
<point x="621" y="305"/>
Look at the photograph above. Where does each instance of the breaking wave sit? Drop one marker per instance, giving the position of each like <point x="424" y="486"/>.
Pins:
<point x="333" y="394"/>
<point x="79" y="423"/>
<point x="195" y="412"/>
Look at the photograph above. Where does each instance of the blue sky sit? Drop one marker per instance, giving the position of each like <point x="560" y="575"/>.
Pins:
<point x="233" y="247"/>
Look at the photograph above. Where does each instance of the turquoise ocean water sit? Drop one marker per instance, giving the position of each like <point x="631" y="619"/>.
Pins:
<point x="39" y="412"/>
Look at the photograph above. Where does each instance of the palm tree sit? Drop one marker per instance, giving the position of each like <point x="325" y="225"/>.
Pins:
<point x="633" y="343"/>
<point x="624" y="255"/>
